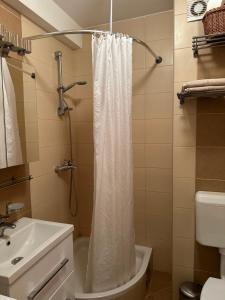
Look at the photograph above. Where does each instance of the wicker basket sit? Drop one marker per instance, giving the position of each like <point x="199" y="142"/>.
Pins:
<point x="214" y="20"/>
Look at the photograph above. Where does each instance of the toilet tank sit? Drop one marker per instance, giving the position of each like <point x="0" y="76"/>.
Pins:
<point x="210" y="219"/>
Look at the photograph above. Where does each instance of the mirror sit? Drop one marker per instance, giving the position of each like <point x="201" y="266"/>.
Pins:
<point x="18" y="113"/>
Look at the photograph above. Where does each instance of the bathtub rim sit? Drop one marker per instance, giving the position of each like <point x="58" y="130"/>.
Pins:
<point x="122" y="289"/>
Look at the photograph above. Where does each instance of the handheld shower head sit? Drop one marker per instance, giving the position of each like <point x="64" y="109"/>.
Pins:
<point x="70" y="86"/>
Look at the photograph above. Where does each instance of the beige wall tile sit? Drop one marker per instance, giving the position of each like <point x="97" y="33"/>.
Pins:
<point x="138" y="131"/>
<point x="133" y="27"/>
<point x="160" y="227"/>
<point x="139" y="155"/>
<point x="185" y="31"/>
<point x="162" y="250"/>
<point x="158" y="105"/>
<point x="182" y="218"/>
<point x="138" y="112"/>
<point x="162" y="24"/>
<point x="179" y="7"/>
<point x="84" y="132"/>
<point x="184" y="130"/>
<point x="85" y="154"/>
<point x="163" y="48"/>
<point x="158" y="79"/>
<point x="82" y="110"/>
<point x="184" y="162"/>
<point x="140" y="199"/>
<point x="211" y="130"/>
<point x="159" y="180"/>
<point x="158" y="203"/>
<point x="159" y="155"/>
<point x="82" y="62"/>
<point x="158" y="131"/>
<point x="185" y="66"/>
<point x="138" y="56"/>
<point x="139" y="81"/>
<point x="211" y="64"/>
<point x="183" y="254"/>
<point x="214" y="168"/>
<point x="139" y="178"/>
<point x="184" y="192"/>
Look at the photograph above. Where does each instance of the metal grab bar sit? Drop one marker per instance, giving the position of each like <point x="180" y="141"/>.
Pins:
<point x="50" y="276"/>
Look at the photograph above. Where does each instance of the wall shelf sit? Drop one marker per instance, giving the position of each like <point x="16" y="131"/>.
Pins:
<point x="207" y="41"/>
<point x="14" y="181"/>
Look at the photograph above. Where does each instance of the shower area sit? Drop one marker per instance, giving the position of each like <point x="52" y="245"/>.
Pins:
<point x="70" y="80"/>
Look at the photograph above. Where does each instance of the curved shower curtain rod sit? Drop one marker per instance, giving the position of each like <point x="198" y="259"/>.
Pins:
<point x="158" y="59"/>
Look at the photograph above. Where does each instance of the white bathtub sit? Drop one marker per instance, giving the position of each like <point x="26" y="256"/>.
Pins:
<point x="135" y="289"/>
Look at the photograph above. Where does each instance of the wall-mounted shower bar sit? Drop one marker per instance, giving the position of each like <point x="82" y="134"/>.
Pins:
<point x="158" y="59"/>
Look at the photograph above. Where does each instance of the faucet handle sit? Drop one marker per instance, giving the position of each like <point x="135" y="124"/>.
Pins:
<point x="13" y="207"/>
<point x="3" y="218"/>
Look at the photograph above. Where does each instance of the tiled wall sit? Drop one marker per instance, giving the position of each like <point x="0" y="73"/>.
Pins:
<point x="49" y="191"/>
<point x="152" y="134"/>
<point x="20" y="193"/>
<point x="184" y="150"/>
<point x="197" y="123"/>
<point x="210" y="154"/>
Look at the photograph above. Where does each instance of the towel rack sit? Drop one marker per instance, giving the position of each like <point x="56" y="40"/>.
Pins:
<point x="211" y="93"/>
<point x="207" y="41"/>
<point x="14" y="181"/>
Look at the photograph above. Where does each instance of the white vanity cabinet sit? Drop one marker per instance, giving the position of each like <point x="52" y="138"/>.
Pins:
<point x="42" y="280"/>
<point x="50" y="275"/>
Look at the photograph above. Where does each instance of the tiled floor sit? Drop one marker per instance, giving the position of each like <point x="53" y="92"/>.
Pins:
<point x="160" y="287"/>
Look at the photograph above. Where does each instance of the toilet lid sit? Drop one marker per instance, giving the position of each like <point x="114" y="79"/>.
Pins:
<point x="214" y="289"/>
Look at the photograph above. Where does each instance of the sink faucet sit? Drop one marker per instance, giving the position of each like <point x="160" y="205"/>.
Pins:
<point x="10" y="209"/>
<point x="5" y="225"/>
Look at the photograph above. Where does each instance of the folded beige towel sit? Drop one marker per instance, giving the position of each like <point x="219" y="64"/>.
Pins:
<point x="203" y="83"/>
<point x="204" y="89"/>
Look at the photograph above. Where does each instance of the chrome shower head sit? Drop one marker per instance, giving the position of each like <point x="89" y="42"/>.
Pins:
<point x="70" y="86"/>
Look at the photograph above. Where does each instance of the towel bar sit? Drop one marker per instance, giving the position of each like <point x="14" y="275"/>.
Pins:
<point x="212" y="94"/>
<point x="14" y="181"/>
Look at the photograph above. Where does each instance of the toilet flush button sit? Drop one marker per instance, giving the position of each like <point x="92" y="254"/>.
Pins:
<point x="214" y="289"/>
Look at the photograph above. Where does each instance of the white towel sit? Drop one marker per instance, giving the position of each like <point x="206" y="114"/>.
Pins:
<point x="203" y="83"/>
<point x="10" y="147"/>
<point x="214" y="3"/>
<point x="200" y="89"/>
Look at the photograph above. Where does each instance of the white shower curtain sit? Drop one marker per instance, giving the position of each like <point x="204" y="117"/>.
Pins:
<point x="10" y="144"/>
<point x="111" y="260"/>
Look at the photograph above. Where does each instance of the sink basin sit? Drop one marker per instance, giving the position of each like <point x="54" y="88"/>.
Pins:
<point x="26" y="244"/>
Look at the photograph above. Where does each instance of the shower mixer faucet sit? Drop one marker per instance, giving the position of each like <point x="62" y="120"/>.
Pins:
<point x="67" y="165"/>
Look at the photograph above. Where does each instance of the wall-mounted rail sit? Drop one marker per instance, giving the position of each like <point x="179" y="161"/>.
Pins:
<point x="207" y="41"/>
<point x="10" y="41"/>
<point x="14" y="181"/>
<point x="209" y="94"/>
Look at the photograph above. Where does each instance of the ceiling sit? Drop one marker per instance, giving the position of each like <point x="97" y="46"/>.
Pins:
<point x="89" y="13"/>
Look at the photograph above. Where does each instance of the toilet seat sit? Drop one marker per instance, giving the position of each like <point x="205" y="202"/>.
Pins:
<point x="214" y="289"/>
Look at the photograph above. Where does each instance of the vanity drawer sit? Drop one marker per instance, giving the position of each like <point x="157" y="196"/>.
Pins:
<point x="43" y="278"/>
<point x="66" y="290"/>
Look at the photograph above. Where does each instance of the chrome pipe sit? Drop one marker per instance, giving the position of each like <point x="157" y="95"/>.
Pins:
<point x="158" y="59"/>
<point x="62" y="106"/>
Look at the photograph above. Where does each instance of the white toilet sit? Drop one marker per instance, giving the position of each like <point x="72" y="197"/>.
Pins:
<point x="210" y="231"/>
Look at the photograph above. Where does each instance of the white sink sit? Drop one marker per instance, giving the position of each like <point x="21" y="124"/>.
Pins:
<point x="30" y="240"/>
